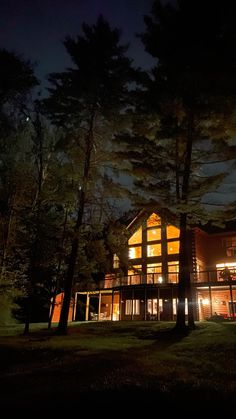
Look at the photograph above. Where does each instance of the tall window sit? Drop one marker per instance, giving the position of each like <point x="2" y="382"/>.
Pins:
<point x="135" y="241"/>
<point x="159" y="243"/>
<point x="132" y="307"/>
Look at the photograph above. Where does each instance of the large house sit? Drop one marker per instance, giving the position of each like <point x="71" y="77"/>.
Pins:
<point x="148" y="289"/>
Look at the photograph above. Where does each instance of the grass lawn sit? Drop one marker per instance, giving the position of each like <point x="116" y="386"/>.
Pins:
<point x="119" y="366"/>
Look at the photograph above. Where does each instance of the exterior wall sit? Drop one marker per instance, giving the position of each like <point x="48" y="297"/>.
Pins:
<point x="201" y="245"/>
<point x="217" y="251"/>
<point x="152" y="294"/>
<point x="148" y="302"/>
<point x="217" y="301"/>
<point x="58" y="306"/>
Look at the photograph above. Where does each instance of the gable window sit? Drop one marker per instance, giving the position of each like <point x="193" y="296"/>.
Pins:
<point x="172" y="232"/>
<point x="135" y="252"/>
<point x="153" y="234"/>
<point x="153" y="220"/>
<point x="136" y="238"/>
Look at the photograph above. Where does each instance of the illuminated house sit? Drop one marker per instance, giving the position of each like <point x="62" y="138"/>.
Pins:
<point x="148" y="289"/>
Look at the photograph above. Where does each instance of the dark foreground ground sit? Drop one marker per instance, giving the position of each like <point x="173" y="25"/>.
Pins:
<point x="114" y="369"/>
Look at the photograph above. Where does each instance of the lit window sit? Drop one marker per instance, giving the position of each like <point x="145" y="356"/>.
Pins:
<point x="175" y="302"/>
<point x="154" y="250"/>
<point x="136" y="238"/>
<point x="172" y="232"/>
<point x="132" y="307"/>
<point x="154" y="271"/>
<point x="173" y="269"/>
<point x="116" y="261"/>
<point x="173" y="247"/>
<point x="135" y="275"/>
<point x="153" y="234"/>
<point x="135" y="252"/>
<point x="152" y="306"/>
<point x="153" y="220"/>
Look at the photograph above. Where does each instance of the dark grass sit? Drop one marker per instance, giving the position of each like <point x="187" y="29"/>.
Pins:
<point x="121" y="366"/>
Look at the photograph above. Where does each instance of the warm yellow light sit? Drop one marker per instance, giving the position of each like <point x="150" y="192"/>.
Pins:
<point x="229" y="264"/>
<point x="205" y="301"/>
<point x="131" y="252"/>
<point x="160" y="279"/>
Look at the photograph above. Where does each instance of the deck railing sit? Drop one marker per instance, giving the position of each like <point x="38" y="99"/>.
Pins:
<point x="209" y="276"/>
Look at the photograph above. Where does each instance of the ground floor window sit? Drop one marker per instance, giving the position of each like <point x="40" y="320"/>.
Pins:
<point x="175" y="302"/>
<point x="132" y="307"/>
<point x="216" y="301"/>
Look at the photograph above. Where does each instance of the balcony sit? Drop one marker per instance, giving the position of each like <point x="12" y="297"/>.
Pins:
<point x="209" y="276"/>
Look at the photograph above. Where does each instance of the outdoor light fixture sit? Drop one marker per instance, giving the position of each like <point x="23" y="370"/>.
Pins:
<point x="205" y="301"/>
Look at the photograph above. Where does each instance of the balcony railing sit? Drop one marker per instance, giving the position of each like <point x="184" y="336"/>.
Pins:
<point x="210" y="276"/>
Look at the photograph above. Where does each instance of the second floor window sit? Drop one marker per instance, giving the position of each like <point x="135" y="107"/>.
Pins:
<point x="230" y="246"/>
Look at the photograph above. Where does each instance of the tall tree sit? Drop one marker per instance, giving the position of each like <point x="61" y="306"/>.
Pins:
<point x="185" y="116"/>
<point x="17" y="81"/>
<point x="89" y="101"/>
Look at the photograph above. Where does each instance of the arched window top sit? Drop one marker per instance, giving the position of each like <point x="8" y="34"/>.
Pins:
<point x="153" y="220"/>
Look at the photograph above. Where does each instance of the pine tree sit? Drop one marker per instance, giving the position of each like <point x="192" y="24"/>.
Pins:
<point x="89" y="100"/>
<point x="184" y="117"/>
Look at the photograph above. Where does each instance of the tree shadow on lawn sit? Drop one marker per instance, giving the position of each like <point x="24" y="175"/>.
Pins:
<point x="164" y="337"/>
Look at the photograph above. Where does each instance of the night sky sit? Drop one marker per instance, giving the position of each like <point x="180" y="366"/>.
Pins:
<point x="36" y="28"/>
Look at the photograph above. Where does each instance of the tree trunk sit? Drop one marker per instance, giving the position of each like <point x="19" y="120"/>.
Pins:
<point x="184" y="288"/>
<point x="63" y="322"/>
<point x="54" y="292"/>
<point x="183" y="272"/>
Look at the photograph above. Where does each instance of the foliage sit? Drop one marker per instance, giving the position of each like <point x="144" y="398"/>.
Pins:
<point x="89" y="100"/>
<point x="184" y="117"/>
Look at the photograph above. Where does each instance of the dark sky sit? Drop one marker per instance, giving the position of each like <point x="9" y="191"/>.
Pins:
<point x="36" y="28"/>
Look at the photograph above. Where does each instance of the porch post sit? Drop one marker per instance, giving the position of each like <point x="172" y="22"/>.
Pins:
<point x="132" y="311"/>
<point x="172" y="311"/>
<point x="145" y="303"/>
<point x="120" y="305"/>
<point x="232" y="302"/>
<point x="99" y="304"/>
<point x="87" y="307"/>
<point x="210" y="299"/>
<point x="75" y="306"/>
<point x="112" y="304"/>
<point x="158" y="304"/>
